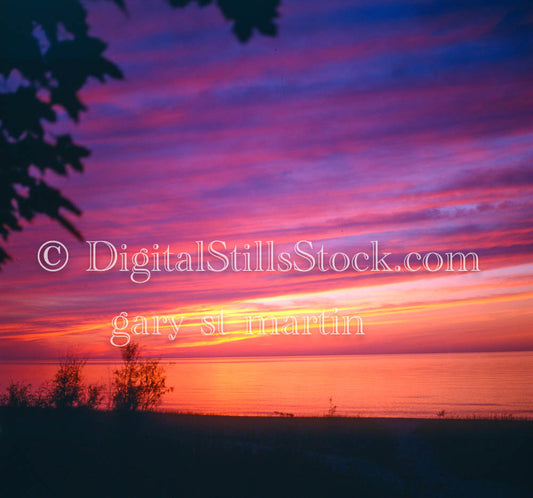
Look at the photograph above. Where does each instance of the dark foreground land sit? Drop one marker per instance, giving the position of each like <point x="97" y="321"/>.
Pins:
<point x="50" y="453"/>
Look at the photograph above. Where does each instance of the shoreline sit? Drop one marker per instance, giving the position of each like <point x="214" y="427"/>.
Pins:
<point x="281" y="415"/>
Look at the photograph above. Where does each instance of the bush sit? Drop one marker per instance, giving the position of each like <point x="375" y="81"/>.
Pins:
<point x="41" y="399"/>
<point x="93" y="396"/>
<point x="18" y="395"/>
<point x="140" y="384"/>
<point x="67" y="388"/>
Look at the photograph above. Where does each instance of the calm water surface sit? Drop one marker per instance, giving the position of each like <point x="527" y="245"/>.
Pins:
<point x="417" y="385"/>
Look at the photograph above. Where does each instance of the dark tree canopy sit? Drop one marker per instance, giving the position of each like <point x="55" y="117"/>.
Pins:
<point x="46" y="57"/>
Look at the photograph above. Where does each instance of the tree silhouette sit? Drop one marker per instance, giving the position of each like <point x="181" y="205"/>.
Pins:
<point x="140" y="383"/>
<point x="67" y="385"/>
<point x="47" y="56"/>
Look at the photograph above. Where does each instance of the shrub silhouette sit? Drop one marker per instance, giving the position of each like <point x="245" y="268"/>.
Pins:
<point x="140" y="384"/>
<point x="332" y="410"/>
<point x="18" y="395"/>
<point x="42" y="398"/>
<point x="93" y="396"/>
<point x="67" y="387"/>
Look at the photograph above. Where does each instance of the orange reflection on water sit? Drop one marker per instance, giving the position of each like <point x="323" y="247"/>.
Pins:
<point x="403" y="385"/>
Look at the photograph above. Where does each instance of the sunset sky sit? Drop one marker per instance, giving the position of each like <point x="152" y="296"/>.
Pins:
<point x="410" y="124"/>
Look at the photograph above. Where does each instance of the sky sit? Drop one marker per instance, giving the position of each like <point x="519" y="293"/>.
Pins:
<point x="409" y="124"/>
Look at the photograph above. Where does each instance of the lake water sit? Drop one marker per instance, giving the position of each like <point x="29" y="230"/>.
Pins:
<point x="401" y="385"/>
